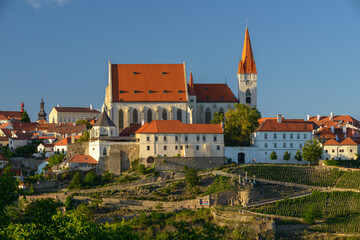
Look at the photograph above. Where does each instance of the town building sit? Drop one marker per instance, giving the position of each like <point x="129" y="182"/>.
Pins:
<point x="72" y="114"/>
<point x="61" y="146"/>
<point x="80" y="162"/>
<point x="348" y="149"/>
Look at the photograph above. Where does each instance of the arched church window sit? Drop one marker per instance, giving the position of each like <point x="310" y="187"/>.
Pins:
<point x="178" y="114"/>
<point x="121" y="119"/>
<point x="207" y="115"/>
<point x="164" y="114"/>
<point x="104" y="151"/>
<point x="248" y="96"/>
<point x="135" y="116"/>
<point x="149" y="116"/>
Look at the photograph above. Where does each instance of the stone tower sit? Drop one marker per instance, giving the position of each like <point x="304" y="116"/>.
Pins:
<point x="42" y="115"/>
<point x="247" y="74"/>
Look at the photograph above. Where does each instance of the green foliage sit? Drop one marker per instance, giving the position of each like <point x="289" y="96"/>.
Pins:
<point x="85" y="137"/>
<point x="220" y="184"/>
<point x="90" y="178"/>
<point x="191" y="178"/>
<point x="69" y="205"/>
<point x="134" y="164"/>
<point x="76" y="182"/>
<point x="8" y="189"/>
<point x="81" y="122"/>
<point x="312" y="151"/>
<point x="287" y="156"/>
<point x="156" y="173"/>
<point x="141" y="169"/>
<point x="311" y="214"/>
<point x="55" y="160"/>
<point x="239" y="124"/>
<point x="27" y="150"/>
<point x="42" y="210"/>
<point x="25" y="117"/>
<point x="298" y="155"/>
<point x="6" y="152"/>
<point x="273" y="155"/>
<point x="218" y="118"/>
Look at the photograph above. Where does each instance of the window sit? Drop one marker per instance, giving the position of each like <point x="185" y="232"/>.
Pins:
<point x="148" y="148"/>
<point x="291" y="145"/>
<point x="207" y="115"/>
<point x="215" y="139"/>
<point x="149" y="115"/>
<point x="300" y="145"/>
<point x="298" y="136"/>
<point x="148" y="139"/>
<point x="291" y="136"/>
<point x="265" y="136"/>
<point x="135" y="116"/>
<point x="179" y="115"/>
<point x="275" y="145"/>
<point x="198" y="138"/>
<point x="265" y="146"/>
<point x="186" y="138"/>
<point x="176" y="138"/>
<point x="333" y="150"/>
<point x="284" y="145"/>
<point x="60" y="119"/>
<point x="204" y="138"/>
<point x="305" y="136"/>
<point x="350" y="150"/>
<point x="218" y="147"/>
<point x="63" y="150"/>
<point x="275" y="137"/>
<point x="104" y="151"/>
<point x="156" y="138"/>
<point x="326" y="151"/>
<point x="165" y="139"/>
<point x="248" y="96"/>
<point x="165" y="148"/>
<point x="121" y="119"/>
<point x="197" y="147"/>
<point x="176" y="147"/>
<point x="284" y="135"/>
<point x="265" y="153"/>
<point x="181" y="147"/>
<point x="164" y="114"/>
<point x="64" y="119"/>
<point x="187" y="146"/>
<point x="69" y="119"/>
<point x="73" y="119"/>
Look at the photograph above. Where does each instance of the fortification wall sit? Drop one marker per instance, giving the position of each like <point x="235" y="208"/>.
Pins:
<point x="178" y="163"/>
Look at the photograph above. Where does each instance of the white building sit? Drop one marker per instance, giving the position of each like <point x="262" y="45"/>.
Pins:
<point x="174" y="138"/>
<point x="345" y="150"/>
<point x="80" y="162"/>
<point x="61" y="145"/>
<point x="72" y="114"/>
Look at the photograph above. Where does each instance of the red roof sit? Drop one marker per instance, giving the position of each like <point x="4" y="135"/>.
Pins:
<point x="76" y="109"/>
<point x="82" y="159"/>
<point x="130" y="130"/>
<point x="337" y="121"/>
<point x="331" y="142"/>
<point x="247" y="63"/>
<point x="63" y="142"/>
<point x="214" y="93"/>
<point x="286" y="125"/>
<point x="11" y="114"/>
<point x="148" y="82"/>
<point x="175" y="126"/>
<point x="28" y="127"/>
<point x="348" y="141"/>
<point x="191" y="85"/>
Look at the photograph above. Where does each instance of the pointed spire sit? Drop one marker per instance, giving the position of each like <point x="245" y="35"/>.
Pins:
<point x="247" y="63"/>
<point x="191" y="88"/>
<point x="22" y="106"/>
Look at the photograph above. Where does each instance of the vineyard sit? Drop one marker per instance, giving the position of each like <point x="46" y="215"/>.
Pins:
<point x="339" y="210"/>
<point x="302" y="175"/>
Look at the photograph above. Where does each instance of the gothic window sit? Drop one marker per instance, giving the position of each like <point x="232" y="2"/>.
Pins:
<point x="178" y="114"/>
<point x="104" y="151"/>
<point x="164" y="114"/>
<point x="121" y="119"/>
<point x="135" y="116"/>
<point x="248" y="96"/>
<point x="149" y="116"/>
<point x="207" y="115"/>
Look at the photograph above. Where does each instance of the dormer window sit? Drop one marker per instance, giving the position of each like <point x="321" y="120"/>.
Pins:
<point x="179" y="91"/>
<point x="163" y="73"/>
<point x="121" y="91"/>
<point x="222" y="98"/>
<point x="135" y="91"/>
<point x="164" y="91"/>
<point x="150" y="91"/>
<point x="134" y="73"/>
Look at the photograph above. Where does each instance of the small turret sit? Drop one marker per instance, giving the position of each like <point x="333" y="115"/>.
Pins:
<point x="42" y="115"/>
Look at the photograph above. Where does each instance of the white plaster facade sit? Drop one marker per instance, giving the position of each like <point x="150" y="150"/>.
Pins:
<point x="60" y="149"/>
<point x="247" y="88"/>
<point x="70" y="117"/>
<point x="340" y="152"/>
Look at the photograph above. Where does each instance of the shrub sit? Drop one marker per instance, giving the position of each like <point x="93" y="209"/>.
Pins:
<point x="76" y="182"/>
<point x="191" y="178"/>
<point x="287" y="155"/>
<point x="141" y="169"/>
<point x="273" y="155"/>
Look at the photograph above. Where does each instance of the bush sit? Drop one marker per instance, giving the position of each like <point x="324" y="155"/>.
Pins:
<point x="287" y="156"/>
<point x="156" y="173"/>
<point x="191" y="178"/>
<point x="90" y="178"/>
<point x="76" y="182"/>
<point x="141" y="169"/>
<point x="134" y="164"/>
<point x="273" y="155"/>
<point x="311" y="214"/>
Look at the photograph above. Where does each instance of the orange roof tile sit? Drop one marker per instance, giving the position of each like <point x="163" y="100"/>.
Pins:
<point x="63" y="142"/>
<point x="82" y="159"/>
<point x="175" y="126"/>
<point x="247" y="63"/>
<point x="214" y="93"/>
<point x="331" y="142"/>
<point x="76" y="109"/>
<point x="338" y="120"/>
<point x="348" y="141"/>
<point x="11" y="114"/>
<point x="148" y="82"/>
<point x="286" y="125"/>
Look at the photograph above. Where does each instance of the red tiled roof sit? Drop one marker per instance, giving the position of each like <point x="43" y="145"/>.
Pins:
<point x="175" y="126"/>
<point x="76" y="109"/>
<point x="148" y="82"/>
<point x="348" y="141"/>
<point x="82" y="159"/>
<point x="130" y="130"/>
<point x="331" y="142"/>
<point x="286" y="125"/>
<point x="247" y="63"/>
<point x="28" y="127"/>
<point x="63" y="142"/>
<point x="11" y="114"/>
<point x="338" y="120"/>
<point x="47" y="144"/>
<point x="214" y="93"/>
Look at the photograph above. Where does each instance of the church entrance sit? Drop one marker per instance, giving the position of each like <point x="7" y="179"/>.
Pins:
<point x="241" y="158"/>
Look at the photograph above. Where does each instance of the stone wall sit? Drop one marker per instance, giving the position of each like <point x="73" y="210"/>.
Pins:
<point x="80" y="148"/>
<point x="178" y="163"/>
<point x="31" y="163"/>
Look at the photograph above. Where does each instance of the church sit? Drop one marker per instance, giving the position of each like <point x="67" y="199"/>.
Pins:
<point x="138" y="93"/>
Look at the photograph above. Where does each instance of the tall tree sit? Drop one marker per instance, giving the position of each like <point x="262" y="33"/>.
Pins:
<point x="8" y="189"/>
<point x="25" y="117"/>
<point x="312" y="151"/>
<point x="239" y="124"/>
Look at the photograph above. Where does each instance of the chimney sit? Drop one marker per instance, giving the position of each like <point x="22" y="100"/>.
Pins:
<point x="279" y="118"/>
<point x="307" y="117"/>
<point x="91" y="107"/>
<point x="344" y="129"/>
<point x="58" y="105"/>
<point x="318" y="117"/>
<point x="332" y="129"/>
<point x="331" y="116"/>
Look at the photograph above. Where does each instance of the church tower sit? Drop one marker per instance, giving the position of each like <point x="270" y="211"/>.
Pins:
<point x="247" y="74"/>
<point x="42" y="115"/>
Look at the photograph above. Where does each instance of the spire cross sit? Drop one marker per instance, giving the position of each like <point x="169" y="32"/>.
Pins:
<point x="246" y="23"/>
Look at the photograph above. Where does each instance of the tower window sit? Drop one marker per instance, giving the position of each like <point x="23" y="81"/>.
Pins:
<point x="248" y="96"/>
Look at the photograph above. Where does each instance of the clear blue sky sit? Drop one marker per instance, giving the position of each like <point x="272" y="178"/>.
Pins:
<point x="307" y="52"/>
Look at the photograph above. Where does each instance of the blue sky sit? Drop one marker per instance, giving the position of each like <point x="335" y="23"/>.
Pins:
<point x="307" y="52"/>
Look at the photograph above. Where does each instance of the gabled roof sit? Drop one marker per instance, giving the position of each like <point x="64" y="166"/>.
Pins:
<point x="76" y="109"/>
<point x="348" y="141"/>
<point x="148" y="82"/>
<point x="22" y="136"/>
<point x="286" y="125"/>
<point x="11" y="114"/>
<point x="82" y="159"/>
<point x="331" y="142"/>
<point x="337" y="121"/>
<point x="214" y="93"/>
<point x="130" y="130"/>
<point x="175" y="126"/>
<point x="247" y="63"/>
<point x="63" y="142"/>
<point x="104" y="121"/>
<point x="28" y="127"/>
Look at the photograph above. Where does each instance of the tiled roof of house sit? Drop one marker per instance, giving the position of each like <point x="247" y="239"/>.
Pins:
<point x="27" y="127"/>
<point x="131" y="129"/>
<point x="286" y="125"/>
<point x="175" y="126"/>
<point x="82" y="159"/>
<point x="11" y="114"/>
<point x="76" y="109"/>
<point x="214" y="93"/>
<point x="337" y="121"/>
<point x="63" y="142"/>
<point x="104" y="121"/>
<point x="247" y="63"/>
<point x="148" y="82"/>
<point x="22" y="136"/>
<point x="47" y="144"/>
<point x="348" y="141"/>
<point x="331" y="142"/>
<point x="4" y="125"/>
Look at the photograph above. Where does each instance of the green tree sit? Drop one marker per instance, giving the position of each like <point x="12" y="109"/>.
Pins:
<point x="287" y="155"/>
<point x="141" y="169"/>
<point x="76" y="182"/>
<point x="42" y="210"/>
<point x="273" y="155"/>
<point x="298" y="155"/>
<point x="55" y="160"/>
<point x="312" y="151"/>
<point x="239" y="124"/>
<point x="218" y="118"/>
<point x="8" y="189"/>
<point x="86" y="122"/>
<point x="312" y="213"/>
<point x="90" y="178"/>
<point x="25" y="117"/>
<point x="191" y="178"/>
<point x="85" y="137"/>
<point x="69" y="205"/>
